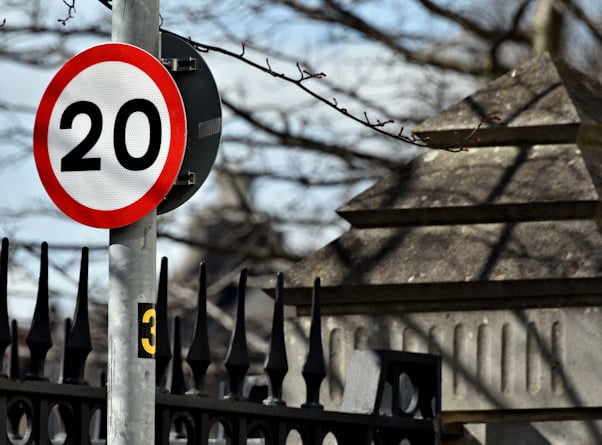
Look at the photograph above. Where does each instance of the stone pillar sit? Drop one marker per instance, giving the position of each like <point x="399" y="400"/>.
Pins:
<point x="485" y="250"/>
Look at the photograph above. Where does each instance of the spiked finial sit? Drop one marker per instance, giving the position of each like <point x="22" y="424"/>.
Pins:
<point x="276" y="363"/>
<point x="4" y="327"/>
<point x="163" y="351"/>
<point x="79" y="342"/>
<point x="15" y="362"/>
<point x="198" y="355"/>
<point x="314" y="369"/>
<point x="237" y="359"/>
<point x="178" y="385"/>
<point x="39" y="339"/>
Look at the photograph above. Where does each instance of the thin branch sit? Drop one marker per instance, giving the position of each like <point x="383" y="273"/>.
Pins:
<point x="35" y="246"/>
<point x="473" y="26"/>
<point x="343" y="152"/>
<point x="250" y="252"/>
<point x="17" y="108"/>
<point x="302" y="180"/>
<point x="350" y="93"/>
<point x="70" y="12"/>
<point x="255" y="342"/>
<point x="497" y="41"/>
<point x="578" y="12"/>
<point x="336" y="14"/>
<point x="378" y="127"/>
<point x="461" y="143"/>
<point x="95" y="30"/>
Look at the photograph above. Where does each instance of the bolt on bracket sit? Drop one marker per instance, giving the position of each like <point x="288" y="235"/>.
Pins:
<point x="175" y="64"/>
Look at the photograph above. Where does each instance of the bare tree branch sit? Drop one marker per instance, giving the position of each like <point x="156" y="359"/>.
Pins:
<point x="577" y="11"/>
<point x="302" y="180"/>
<point x="475" y="27"/>
<point x="286" y="138"/>
<point x="70" y="12"/>
<point x="337" y="14"/>
<point x="37" y="29"/>
<point x="299" y="82"/>
<point x="253" y="252"/>
<point x="375" y="124"/>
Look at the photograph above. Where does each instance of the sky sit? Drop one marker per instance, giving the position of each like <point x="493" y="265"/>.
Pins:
<point x="26" y="85"/>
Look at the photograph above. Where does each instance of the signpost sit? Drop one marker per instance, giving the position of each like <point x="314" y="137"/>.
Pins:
<point x="110" y="143"/>
<point x="132" y="276"/>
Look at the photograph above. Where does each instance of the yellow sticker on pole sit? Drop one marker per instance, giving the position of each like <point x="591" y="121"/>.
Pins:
<point x="147" y="330"/>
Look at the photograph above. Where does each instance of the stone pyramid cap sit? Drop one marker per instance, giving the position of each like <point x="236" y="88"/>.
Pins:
<point x="493" y="184"/>
<point x="543" y="164"/>
<point x="512" y="221"/>
<point x="542" y="101"/>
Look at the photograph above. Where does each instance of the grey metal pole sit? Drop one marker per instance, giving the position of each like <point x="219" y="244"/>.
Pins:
<point x="132" y="279"/>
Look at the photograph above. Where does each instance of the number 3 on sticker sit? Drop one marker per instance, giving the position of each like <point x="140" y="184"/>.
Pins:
<point x="147" y="330"/>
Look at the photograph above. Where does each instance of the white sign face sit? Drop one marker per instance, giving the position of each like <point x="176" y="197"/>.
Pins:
<point x="110" y="135"/>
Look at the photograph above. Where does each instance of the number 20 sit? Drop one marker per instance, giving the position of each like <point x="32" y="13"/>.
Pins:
<point x="75" y="160"/>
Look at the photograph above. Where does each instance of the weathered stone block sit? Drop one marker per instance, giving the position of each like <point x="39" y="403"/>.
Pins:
<point x="492" y="360"/>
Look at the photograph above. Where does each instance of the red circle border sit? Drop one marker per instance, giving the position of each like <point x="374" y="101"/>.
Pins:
<point x="111" y="52"/>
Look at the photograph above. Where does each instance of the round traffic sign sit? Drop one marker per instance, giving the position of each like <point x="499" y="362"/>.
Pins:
<point x="109" y="135"/>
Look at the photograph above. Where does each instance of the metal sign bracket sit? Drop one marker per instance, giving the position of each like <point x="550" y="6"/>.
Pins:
<point x="188" y="178"/>
<point x="176" y="65"/>
<point x="203" y="117"/>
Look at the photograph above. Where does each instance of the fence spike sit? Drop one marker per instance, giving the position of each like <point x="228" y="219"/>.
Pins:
<point x="178" y="384"/>
<point x="15" y="362"/>
<point x="14" y="415"/>
<point x="198" y="355"/>
<point x="237" y="358"/>
<point x="39" y="339"/>
<point x="78" y="345"/>
<point x="65" y="353"/>
<point x="163" y="351"/>
<point x="102" y="424"/>
<point x="276" y="363"/>
<point x="4" y="326"/>
<point x="314" y="369"/>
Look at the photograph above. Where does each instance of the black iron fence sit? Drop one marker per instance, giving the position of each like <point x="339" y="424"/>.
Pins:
<point x="403" y="406"/>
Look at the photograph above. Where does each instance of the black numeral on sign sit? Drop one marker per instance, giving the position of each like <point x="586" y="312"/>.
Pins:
<point x="75" y="160"/>
<point x="154" y="143"/>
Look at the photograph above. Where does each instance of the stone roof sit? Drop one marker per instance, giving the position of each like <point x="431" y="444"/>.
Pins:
<point x="542" y="101"/>
<point x="492" y="184"/>
<point x="511" y="219"/>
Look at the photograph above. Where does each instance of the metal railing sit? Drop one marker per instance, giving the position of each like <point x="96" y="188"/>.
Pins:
<point x="403" y="406"/>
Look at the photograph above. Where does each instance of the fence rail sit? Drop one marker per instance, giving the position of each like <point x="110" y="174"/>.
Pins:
<point x="404" y="407"/>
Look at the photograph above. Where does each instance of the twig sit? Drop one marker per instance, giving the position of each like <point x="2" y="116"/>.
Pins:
<point x="378" y="127"/>
<point x="472" y="136"/>
<point x="70" y="12"/>
<point x="300" y="83"/>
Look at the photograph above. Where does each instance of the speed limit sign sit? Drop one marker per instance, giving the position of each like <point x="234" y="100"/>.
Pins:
<point x="109" y="135"/>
